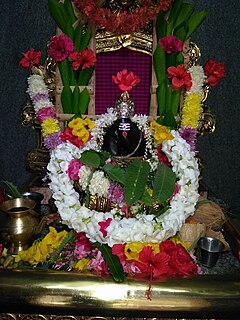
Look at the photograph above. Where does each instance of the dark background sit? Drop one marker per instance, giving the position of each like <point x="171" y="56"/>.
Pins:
<point x="27" y="23"/>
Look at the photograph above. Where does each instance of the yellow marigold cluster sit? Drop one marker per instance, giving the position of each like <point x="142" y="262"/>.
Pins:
<point x="80" y="128"/>
<point x="49" y="126"/>
<point x="160" y="133"/>
<point x="40" y="251"/>
<point x="191" y="110"/>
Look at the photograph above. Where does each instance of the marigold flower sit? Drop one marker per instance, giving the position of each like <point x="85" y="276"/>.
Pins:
<point x="82" y="264"/>
<point x="89" y="123"/>
<point x="180" y="77"/>
<point x="160" y="133"/>
<point x="49" y="126"/>
<point x="126" y="81"/>
<point x="191" y="110"/>
<point x="61" y="47"/>
<point x="30" y="58"/>
<point x="84" y="59"/>
<point x="171" y="44"/>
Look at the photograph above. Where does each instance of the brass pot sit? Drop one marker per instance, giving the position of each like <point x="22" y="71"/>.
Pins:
<point x="18" y="223"/>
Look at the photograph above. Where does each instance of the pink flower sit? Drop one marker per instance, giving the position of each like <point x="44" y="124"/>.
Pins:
<point x="180" y="77"/>
<point x="61" y="47"/>
<point x="31" y="57"/>
<point x="125" y="80"/>
<point x="99" y="265"/>
<point x="214" y="72"/>
<point x="73" y="169"/>
<point x="84" y="59"/>
<point x="162" y="156"/>
<point x="103" y="226"/>
<point x="45" y="113"/>
<point x="171" y="44"/>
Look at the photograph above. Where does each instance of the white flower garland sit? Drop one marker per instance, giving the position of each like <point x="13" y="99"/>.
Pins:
<point x="143" y="227"/>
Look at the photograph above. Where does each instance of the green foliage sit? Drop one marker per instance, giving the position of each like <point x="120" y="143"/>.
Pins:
<point x="136" y="178"/>
<point x="114" y="265"/>
<point x="163" y="184"/>
<point x="115" y="173"/>
<point x="90" y="158"/>
<point x="12" y="190"/>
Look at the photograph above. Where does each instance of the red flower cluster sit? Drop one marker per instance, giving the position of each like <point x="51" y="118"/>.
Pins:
<point x="125" y="80"/>
<point x="30" y="58"/>
<point x="171" y="44"/>
<point x="162" y="156"/>
<point x="84" y="59"/>
<point x="122" y="23"/>
<point x="214" y="72"/>
<point x="180" y="77"/>
<point x="60" y="47"/>
<point x="67" y="135"/>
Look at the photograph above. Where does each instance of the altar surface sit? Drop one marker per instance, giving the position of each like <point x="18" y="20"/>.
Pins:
<point x="37" y="293"/>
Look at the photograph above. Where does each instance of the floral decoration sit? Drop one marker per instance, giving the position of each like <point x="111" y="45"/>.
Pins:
<point x="30" y="58"/>
<point x="214" y="72"/>
<point x="124" y="22"/>
<point x="171" y="44"/>
<point x="126" y="80"/>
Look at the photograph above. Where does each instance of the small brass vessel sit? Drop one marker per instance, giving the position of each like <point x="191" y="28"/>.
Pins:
<point x="18" y="223"/>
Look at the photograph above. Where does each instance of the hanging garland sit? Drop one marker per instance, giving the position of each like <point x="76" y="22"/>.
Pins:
<point x="124" y="22"/>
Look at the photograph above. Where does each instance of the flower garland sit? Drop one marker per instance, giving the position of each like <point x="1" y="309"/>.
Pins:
<point x="141" y="228"/>
<point x="121" y="23"/>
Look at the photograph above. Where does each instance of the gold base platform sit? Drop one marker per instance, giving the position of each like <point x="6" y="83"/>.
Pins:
<point x="41" y="294"/>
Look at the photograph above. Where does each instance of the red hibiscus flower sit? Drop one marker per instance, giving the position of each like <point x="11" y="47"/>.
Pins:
<point x="162" y="157"/>
<point x="171" y="44"/>
<point x="61" y="47"/>
<point x="118" y="250"/>
<point x="125" y="80"/>
<point x="30" y="58"/>
<point x="68" y="136"/>
<point x="103" y="226"/>
<point x="84" y="59"/>
<point x="180" y="77"/>
<point x="153" y="264"/>
<point x="214" y="72"/>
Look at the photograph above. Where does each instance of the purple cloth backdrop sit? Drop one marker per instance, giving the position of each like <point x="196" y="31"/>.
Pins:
<point x="109" y="64"/>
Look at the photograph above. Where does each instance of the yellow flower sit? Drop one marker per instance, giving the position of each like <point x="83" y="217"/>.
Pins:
<point x="49" y="126"/>
<point x="160" y="133"/>
<point x="191" y="110"/>
<point x="177" y="239"/>
<point x="132" y="250"/>
<point x="77" y="122"/>
<point x="81" y="133"/>
<point x="53" y="238"/>
<point x="89" y="123"/>
<point x="82" y="264"/>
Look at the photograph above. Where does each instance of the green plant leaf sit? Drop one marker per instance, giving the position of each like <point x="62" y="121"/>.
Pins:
<point x="136" y="178"/>
<point x="78" y="37"/>
<point x="76" y="98"/>
<point x="85" y="76"/>
<point x="194" y="22"/>
<point x="175" y="10"/>
<point x="163" y="184"/>
<point x="161" y="97"/>
<point x="86" y="38"/>
<point x="64" y="71"/>
<point x="84" y="99"/>
<point x="159" y="58"/>
<point x="114" y="265"/>
<point x="115" y="173"/>
<point x="175" y="101"/>
<point x="186" y="11"/>
<point x="146" y="198"/>
<point x="12" y="190"/>
<point x="90" y="158"/>
<point x="181" y="31"/>
<point x="104" y="156"/>
<point x="68" y="9"/>
<point x="169" y="120"/>
<point x="161" y="25"/>
<point x="66" y="99"/>
<point x="169" y="93"/>
<point x="57" y="12"/>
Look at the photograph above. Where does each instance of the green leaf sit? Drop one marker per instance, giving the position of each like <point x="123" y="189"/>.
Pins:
<point x="57" y="12"/>
<point x="115" y="173"/>
<point x="175" y="10"/>
<point x="84" y="99"/>
<point x="78" y="37"/>
<point x="181" y="31"/>
<point x="169" y="120"/>
<point x="161" y="97"/>
<point x="85" y="76"/>
<point x="114" y="265"/>
<point x="66" y="99"/>
<point x="69" y="11"/>
<point x="194" y="22"/>
<point x="176" y="101"/>
<point x="64" y="71"/>
<point x="104" y="156"/>
<point x="12" y="190"/>
<point x="186" y="11"/>
<point x="161" y="25"/>
<point x="146" y="198"/>
<point x="163" y="184"/>
<point x="159" y="58"/>
<point x="86" y="38"/>
<point x="136" y="178"/>
<point x="76" y="96"/>
<point x="90" y="158"/>
<point x="169" y="97"/>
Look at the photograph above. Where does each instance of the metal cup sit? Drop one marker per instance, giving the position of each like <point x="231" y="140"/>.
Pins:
<point x="210" y="249"/>
<point x="37" y="197"/>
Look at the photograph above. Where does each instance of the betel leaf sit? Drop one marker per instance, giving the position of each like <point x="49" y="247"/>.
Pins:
<point x="136" y="178"/>
<point x="66" y="99"/>
<point x="90" y="158"/>
<point x="146" y="198"/>
<point x="163" y="184"/>
<point x="114" y="265"/>
<point x="194" y="22"/>
<point x="84" y="99"/>
<point x="115" y="173"/>
<point x="104" y="156"/>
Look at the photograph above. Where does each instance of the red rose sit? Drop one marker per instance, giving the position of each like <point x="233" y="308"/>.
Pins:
<point x="214" y="72"/>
